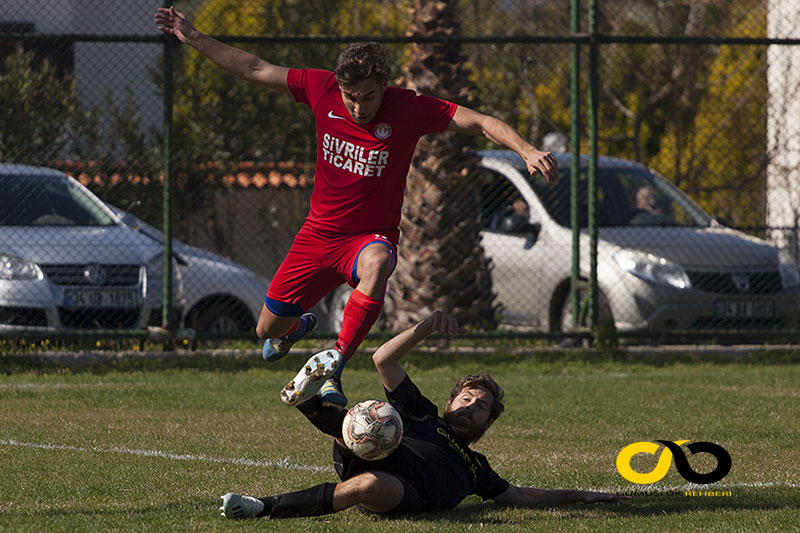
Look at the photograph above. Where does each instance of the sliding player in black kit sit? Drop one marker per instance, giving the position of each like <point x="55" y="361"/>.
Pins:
<point x="433" y="469"/>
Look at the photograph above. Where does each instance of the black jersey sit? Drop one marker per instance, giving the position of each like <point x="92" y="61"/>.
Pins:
<point x="433" y="459"/>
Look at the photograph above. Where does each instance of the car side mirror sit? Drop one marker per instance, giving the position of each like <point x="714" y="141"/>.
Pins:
<point x="131" y="221"/>
<point x="531" y="235"/>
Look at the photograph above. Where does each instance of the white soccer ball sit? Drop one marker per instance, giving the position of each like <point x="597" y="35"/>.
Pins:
<point x="372" y="429"/>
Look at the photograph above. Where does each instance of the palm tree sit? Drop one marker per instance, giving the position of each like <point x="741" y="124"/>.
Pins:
<point x="441" y="264"/>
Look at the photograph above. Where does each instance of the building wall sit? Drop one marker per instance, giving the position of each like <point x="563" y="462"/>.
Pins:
<point x="783" y="123"/>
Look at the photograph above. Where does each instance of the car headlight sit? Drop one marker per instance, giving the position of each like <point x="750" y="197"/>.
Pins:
<point x="16" y="268"/>
<point x="788" y="268"/>
<point x="652" y="268"/>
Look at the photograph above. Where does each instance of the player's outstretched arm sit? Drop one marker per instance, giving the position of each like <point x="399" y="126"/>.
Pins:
<point x="471" y="122"/>
<point x="532" y="497"/>
<point x="236" y="61"/>
<point x="387" y="357"/>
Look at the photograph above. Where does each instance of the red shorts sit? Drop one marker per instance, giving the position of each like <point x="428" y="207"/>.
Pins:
<point x="315" y="265"/>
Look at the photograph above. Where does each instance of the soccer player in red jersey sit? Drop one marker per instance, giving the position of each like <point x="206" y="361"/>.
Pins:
<point x="366" y="135"/>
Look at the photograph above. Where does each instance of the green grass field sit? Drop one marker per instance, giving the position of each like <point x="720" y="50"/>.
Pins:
<point x="152" y="449"/>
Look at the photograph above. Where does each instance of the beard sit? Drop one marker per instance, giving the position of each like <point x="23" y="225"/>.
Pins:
<point x="464" y="427"/>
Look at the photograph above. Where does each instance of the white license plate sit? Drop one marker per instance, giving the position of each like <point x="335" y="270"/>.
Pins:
<point x="745" y="308"/>
<point x="100" y="298"/>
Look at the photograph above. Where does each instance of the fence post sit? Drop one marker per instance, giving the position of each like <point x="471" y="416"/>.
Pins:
<point x="592" y="178"/>
<point x="166" y="297"/>
<point x="575" y="170"/>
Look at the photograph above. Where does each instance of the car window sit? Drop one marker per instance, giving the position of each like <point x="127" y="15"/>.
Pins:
<point x="617" y="193"/>
<point x="612" y="207"/>
<point x="654" y="202"/>
<point x="31" y="200"/>
<point x="502" y="206"/>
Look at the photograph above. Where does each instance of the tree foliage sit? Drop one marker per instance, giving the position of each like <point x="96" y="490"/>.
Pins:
<point x="38" y="111"/>
<point x="43" y="119"/>
<point x="694" y="112"/>
<point x="721" y="156"/>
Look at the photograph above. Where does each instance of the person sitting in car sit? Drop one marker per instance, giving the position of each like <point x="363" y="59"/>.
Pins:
<point x="513" y="219"/>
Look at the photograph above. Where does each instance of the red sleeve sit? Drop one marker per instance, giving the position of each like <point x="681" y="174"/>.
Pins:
<point x="434" y="114"/>
<point x="307" y="84"/>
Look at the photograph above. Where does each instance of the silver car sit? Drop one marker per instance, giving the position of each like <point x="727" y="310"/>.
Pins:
<point x="67" y="262"/>
<point x="220" y="295"/>
<point x="663" y="263"/>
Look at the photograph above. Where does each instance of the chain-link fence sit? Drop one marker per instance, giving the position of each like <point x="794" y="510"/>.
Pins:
<point x="687" y="220"/>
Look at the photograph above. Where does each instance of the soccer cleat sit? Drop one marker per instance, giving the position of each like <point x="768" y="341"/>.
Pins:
<point x="331" y="392"/>
<point x="238" y="506"/>
<point x="311" y="377"/>
<point x="276" y="348"/>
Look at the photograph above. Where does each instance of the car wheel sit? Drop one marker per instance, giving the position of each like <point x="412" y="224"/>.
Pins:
<point x="603" y="310"/>
<point x="334" y="310"/>
<point x="335" y="307"/>
<point x="221" y="323"/>
<point x="228" y="316"/>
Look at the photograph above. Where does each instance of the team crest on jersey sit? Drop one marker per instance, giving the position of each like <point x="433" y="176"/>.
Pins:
<point x="382" y="131"/>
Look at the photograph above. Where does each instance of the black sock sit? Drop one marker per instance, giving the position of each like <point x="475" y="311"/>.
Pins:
<point x="269" y="503"/>
<point x="314" y="501"/>
<point x="326" y="418"/>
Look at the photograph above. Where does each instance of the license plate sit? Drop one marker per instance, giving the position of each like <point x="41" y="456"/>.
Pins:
<point x="100" y="298"/>
<point x="745" y="308"/>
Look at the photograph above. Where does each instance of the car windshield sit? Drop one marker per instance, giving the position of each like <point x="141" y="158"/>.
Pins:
<point x="48" y="200"/>
<point x="626" y="196"/>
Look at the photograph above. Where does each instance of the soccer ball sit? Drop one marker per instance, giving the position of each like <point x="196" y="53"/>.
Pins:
<point x="372" y="429"/>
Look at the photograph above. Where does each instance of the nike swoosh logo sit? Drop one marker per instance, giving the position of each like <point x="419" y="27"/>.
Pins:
<point x="331" y="115"/>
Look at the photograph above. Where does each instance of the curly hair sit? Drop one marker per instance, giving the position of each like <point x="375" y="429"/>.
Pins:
<point x="361" y="61"/>
<point x="484" y="381"/>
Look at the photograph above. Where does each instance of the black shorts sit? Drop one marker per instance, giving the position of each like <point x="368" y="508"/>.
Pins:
<point x="348" y="464"/>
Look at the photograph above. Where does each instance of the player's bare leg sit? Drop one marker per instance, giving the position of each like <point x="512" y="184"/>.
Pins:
<point x="375" y="264"/>
<point x="282" y="332"/>
<point x="375" y="491"/>
<point x="272" y="325"/>
<point x="322" y="372"/>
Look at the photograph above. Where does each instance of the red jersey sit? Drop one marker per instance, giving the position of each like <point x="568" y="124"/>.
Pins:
<point x="361" y="169"/>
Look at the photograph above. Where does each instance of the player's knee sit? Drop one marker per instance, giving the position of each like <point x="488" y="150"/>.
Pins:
<point x="263" y="328"/>
<point x="378" y="492"/>
<point x="270" y="325"/>
<point x="369" y="485"/>
<point x="376" y="266"/>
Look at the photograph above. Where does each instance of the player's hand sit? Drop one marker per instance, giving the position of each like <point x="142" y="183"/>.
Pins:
<point x="441" y="322"/>
<point x="544" y="162"/>
<point x="604" y="497"/>
<point x="171" y="21"/>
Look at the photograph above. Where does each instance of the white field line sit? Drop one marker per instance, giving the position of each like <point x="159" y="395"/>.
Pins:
<point x="285" y="464"/>
<point x="99" y="384"/>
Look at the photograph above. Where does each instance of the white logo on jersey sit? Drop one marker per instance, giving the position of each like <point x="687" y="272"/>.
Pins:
<point x="382" y="131"/>
<point x="353" y="157"/>
<point x="331" y="115"/>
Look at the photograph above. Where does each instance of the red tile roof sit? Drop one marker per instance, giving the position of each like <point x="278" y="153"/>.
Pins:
<point x="244" y="174"/>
